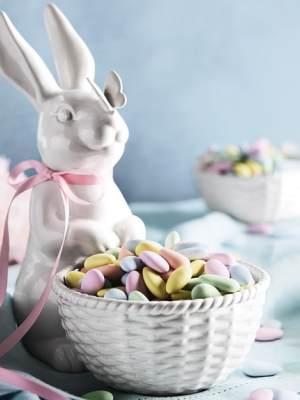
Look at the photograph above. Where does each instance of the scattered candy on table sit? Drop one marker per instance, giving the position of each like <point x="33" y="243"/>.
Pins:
<point x="144" y="270"/>
<point x="261" y="368"/>
<point x="273" y="394"/>
<point x="267" y="334"/>
<point x="246" y="161"/>
<point x="260" y="228"/>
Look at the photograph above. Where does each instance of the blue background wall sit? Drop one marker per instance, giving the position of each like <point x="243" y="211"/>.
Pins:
<point x="195" y="72"/>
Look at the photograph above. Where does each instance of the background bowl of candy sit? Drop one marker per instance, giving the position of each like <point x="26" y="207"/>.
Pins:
<point x="254" y="183"/>
<point x="160" y="347"/>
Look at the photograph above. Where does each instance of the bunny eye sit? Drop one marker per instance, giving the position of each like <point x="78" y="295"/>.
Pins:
<point x="64" y="114"/>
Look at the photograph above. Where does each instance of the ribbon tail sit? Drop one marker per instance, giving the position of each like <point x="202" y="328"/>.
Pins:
<point x="22" y="329"/>
<point x="30" y="385"/>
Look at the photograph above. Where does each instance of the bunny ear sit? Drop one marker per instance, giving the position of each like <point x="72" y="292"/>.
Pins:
<point x="21" y="65"/>
<point x="74" y="62"/>
<point x="113" y="90"/>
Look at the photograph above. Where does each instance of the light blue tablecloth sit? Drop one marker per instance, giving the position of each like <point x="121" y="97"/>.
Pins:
<point x="279" y="254"/>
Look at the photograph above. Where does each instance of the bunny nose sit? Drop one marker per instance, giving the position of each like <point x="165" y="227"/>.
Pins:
<point x="95" y="140"/>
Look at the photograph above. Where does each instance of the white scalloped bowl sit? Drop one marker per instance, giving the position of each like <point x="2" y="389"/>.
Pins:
<point x="162" y="348"/>
<point x="265" y="198"/>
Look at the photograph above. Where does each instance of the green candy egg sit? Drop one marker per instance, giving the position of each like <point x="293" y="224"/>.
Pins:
<point x="227" y="285"/>
<point x="191" y="284"/>
<point x="114" y="251"/>
<point x="98" y="395"/>
<point x="137" y="296"/>
<point x="204" y="290"/>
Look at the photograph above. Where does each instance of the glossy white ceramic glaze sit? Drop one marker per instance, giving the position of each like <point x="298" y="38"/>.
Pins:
<point x="79" y="127"/>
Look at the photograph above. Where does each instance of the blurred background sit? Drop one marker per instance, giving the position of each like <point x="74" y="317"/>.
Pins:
<point x="195" y="73"/>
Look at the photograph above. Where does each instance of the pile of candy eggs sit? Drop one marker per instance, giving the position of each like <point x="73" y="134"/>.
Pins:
<point x="259" y="158"/>
<point x="143" y="270"/>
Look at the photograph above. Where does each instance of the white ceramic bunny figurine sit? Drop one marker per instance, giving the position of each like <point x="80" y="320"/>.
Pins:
<point x="79" y="127"/>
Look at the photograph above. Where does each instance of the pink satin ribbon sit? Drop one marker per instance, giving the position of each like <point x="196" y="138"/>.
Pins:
<point x="63" y="179"/>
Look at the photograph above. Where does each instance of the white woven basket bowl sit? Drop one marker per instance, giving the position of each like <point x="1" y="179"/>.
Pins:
<point x="162" y="348"/>
<point x="265" y="198"/>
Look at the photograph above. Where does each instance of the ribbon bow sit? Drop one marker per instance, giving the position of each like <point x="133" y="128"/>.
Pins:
<point x="63" y="179"/>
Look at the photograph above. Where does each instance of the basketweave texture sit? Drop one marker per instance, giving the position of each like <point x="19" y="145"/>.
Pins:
<point x="265" y="198"/>
<point x="162" y="348"/>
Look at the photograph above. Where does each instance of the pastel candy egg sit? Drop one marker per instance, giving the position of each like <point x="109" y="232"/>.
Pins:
<point x="147" y="245"/>
<point x="241" y="169"/>
<point x="131" y="244"/>
<point x="92" y="282"/>
<point x="124" y="252"/>
<point x="172" y="239"/>
<point x="116" y="294"/>
<point x="266" y="334"/>
<point x="174" y="259"/>
<point x="256" y="167"/>
<point x="124" y="278"/>
<point x="178" y="279"/>
<point x="98" y="260"/>
<point x="192" y="250"/>
<point x="261" y="394"/>
<point x="241" y="274"/>
<point x="73" y="278"/>
<point x="154" y="261"/>
<point x="115" y="251"/>
<point x="102" y="292"/>
<point x="111" y="272"/>
<point x="227" y="259"/>
<point x="98" y="395"/>
<point x="215" y="267"/>
<point x="284" y="394"/>
<point x="204" y="290"/>
<point x="260" y="368"/>
<point x="165" y="275"/>
<point x="197" y="267"/>
<point x="227" y="285"/>
<point x="135" y="282"/>
<point x="137" y="296"/>
<point x="260" y="228"/>
<point x="191" y="284"/>
<point x="185" y="244"/>
<point x="155" y="283"/>
<point x="181" y="295"/>
<point x="131" y="263"/>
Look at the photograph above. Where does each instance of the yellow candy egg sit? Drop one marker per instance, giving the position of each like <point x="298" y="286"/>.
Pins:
<point x="147" y="245"/>
<point x="242" y="169"/>
<point x="97" y="260"/>
<point x="155" y="283"/>
<point x="178" y="279"/>
<point x="197" y="267"/>
<point x="73" y="277"/>
<point x="102" y="292"/>
<point x="256" y="167"/>
<point x="232" y="150"/>
<point x="117" y="262"/>
<point x="181" y="295"/>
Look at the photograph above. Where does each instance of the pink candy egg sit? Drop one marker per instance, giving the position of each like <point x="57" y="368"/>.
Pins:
<point x="124" y="252"/>
<point x="261" y="394"/>
<point x="225" y="258"/>
<point x="165" y="275"/>
<point x="215" y="267"/>
<point x="260" y="228"/>
<point x="134" y="282"/>
<point x="92" y="282"/>
<point x="174" y="259"/>
<point x="154" y="261"/>
<point x="266" y="334"/>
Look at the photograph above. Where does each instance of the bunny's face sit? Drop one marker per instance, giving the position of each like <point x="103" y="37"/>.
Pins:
<point x="78" y="130"/>
<point x="79" y="125"/>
